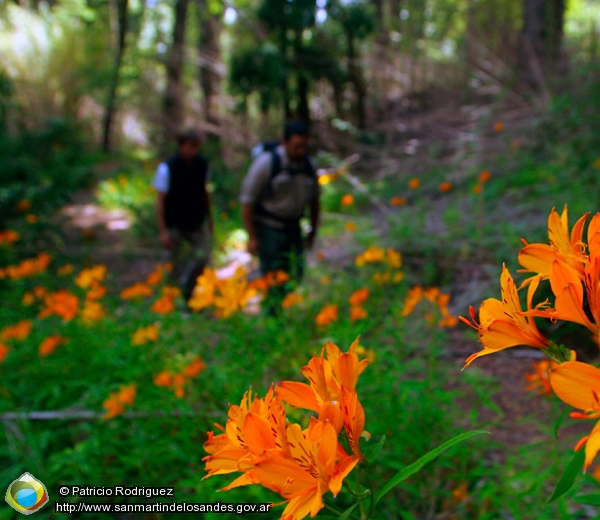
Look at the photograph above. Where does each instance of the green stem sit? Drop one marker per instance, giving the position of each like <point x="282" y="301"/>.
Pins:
<point x="331" y="508"/>
<point x="360" y="502"/>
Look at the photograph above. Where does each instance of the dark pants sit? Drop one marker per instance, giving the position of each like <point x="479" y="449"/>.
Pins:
<point x="280" y="250"/>
<point x="190" y="255"/>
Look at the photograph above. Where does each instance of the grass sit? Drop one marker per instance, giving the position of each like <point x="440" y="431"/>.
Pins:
<point x="413" y="391"/>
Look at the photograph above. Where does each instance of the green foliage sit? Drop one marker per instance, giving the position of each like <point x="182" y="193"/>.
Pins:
<point x="44" y="168"/>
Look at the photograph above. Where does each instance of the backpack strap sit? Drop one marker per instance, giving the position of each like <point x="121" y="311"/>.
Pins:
<point x="275" y="169"/>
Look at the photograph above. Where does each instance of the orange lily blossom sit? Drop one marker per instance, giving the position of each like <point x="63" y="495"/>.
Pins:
<point x="538" y="258"/>
<point x="578" y="384"/>
<point x="569" y="298"/>
<point x="327" y="315"/>
<point x="299" y="465"/>
<point x="360" y="296"/>
<point x="502" y="323"/>
<point x="306" y="472"/>
<point x="332" y="391"/>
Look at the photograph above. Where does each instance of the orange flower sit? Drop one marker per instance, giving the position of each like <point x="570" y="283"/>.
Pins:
<point x="87" y="277"/>
<point x="326" y="279"/>
<point x="478" y="188"/>
<point x="92" y="311"/>
<point x="20" y="331"/>
<point x="371" y="255"/>
<point x="31" y="218"/>
<point x="62" y="303"/>
<point x="328" y="315"/>
<point x="498" y="126"/>
<point x="320" y="255"/>
<point x="538" y="258"/>
<point x="49" y="344"/>
<point x="578" y="385"/>
<point x="205" y="290"/>
<point x="9" y="237"/>
<point x="358" y="313"/>
<point x="138" y="290"/>
<point x="398" y="201"/>
<point x="597" y="164"/>
<point x="163" y="305"/>
<point x="65" y="270"/>
<point x="116" y="402"/>
<point x="301" y="465"/>
<point x="274" y="278"/>
<point x="348" y="199"/>
<point x="144" y="335"/>
<point x="194" y="368"/>
<point x="360" y="296"/>
<point x="291" y="299"/>
<point x="23" y="205"/>
<point x="96" y="291"/>
<point x="414" y="183"/>
<point x="164" y="378"/>
<point x="28" y="299"/>
<point x="171" y="291"/>
<point x="445" y="187"/>
<point x="4" y="350"/>
<point x="156" y="277"/>
<point x="502" y="322"/>
<point x="350" y="226"/>
<point x="178" y="385"/>
<point x="28" y="267"/>
<point x="412" y="300"/>
<point x="484" y="176"/>
<point x="460" y="494"/>
<point x="539" y="380"/>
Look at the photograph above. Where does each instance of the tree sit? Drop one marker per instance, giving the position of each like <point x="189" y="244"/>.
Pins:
<point x="209" y="21"/>
<point x="119" y="10"/>
<point x="541" y="36"/>
<point x="357" y="21"/>
<point x="173" y="99"/>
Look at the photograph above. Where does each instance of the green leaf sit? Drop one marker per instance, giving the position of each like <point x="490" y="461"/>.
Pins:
<point x="559" y="422"/>
<point x="372" y="451"/>
<point x="567" y="479"/>
<point x="416" y="466"/>
<point x="592" y="499"/>
<point x="346" y="514"/>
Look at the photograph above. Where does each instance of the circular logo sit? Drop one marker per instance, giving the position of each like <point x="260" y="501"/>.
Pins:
<point x="26" y="494"/>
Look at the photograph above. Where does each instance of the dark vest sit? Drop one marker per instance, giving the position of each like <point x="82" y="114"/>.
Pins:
<point x="185" y="202"/>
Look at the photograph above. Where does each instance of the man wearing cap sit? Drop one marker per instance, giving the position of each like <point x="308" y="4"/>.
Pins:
<point x="183" y="210"/>
<point x="278" y="188"/>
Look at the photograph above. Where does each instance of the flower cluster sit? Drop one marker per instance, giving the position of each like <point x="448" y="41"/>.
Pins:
<point x="27" y="267"/>
<point x="145" y="335"/>
<point x="177" y="379"/>
<point x="572" y="267"/>
<point x="116" y="402"/>
<point x="227" y="295"/>
<point x="300" y="464"/>
<point x="433" y="295"/>
<point x="9" y="237"/>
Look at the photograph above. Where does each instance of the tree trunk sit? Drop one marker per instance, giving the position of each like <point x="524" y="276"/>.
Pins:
<point x="356" y="78"/>
<point x="111" y="103"/>
<point x="210" y="59"/>
<point x="541" y="36"/>
<point x="303" y="109"/>
<point x="173" y="96"/>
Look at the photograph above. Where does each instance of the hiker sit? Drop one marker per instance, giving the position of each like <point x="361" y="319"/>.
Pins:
<point x="278" y="186"/>
<point x="183" y="210"/>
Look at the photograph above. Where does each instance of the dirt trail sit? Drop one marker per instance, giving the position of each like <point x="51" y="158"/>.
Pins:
<point x="100" y="236"/>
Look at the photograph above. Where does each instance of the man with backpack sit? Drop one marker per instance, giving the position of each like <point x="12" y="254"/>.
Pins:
<point x="278" y="187"/>
<point x="183" y="210"/>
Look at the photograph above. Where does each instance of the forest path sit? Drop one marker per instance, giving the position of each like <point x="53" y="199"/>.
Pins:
<point x="514" y="417"/>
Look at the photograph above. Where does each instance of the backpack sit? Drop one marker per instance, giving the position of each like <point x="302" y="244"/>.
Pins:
<point x="271" y="147"/>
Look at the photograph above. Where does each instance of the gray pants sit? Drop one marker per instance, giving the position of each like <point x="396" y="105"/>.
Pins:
<point x="189" y="255"/>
